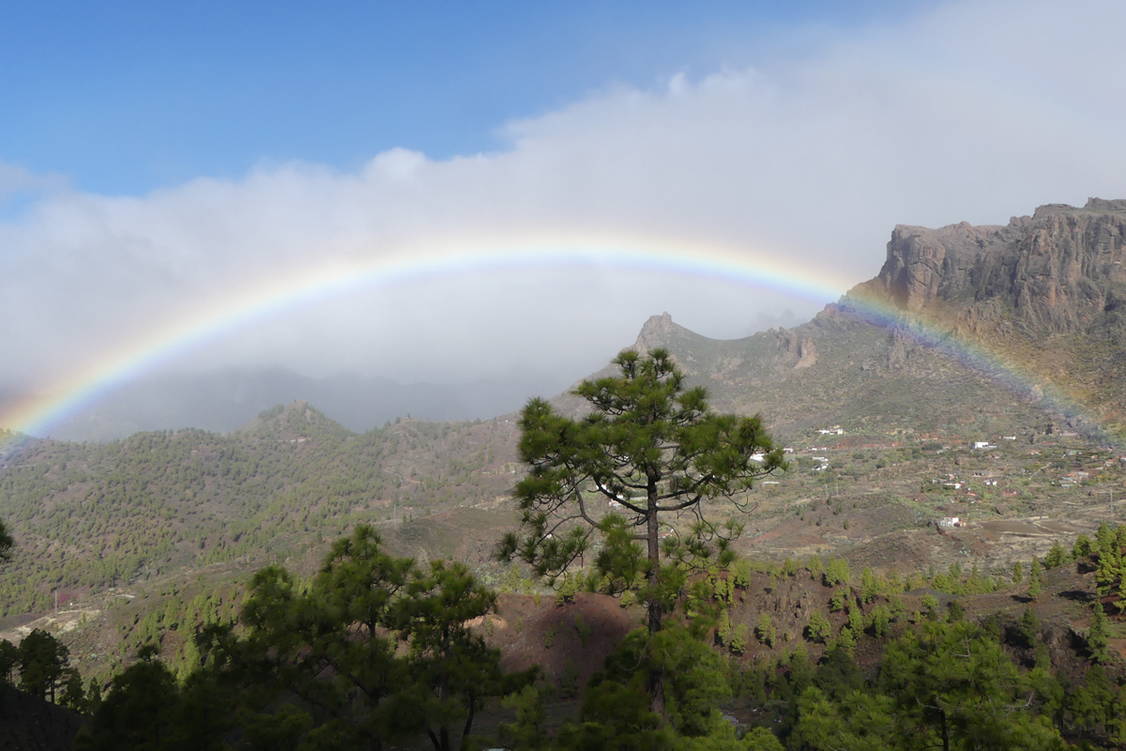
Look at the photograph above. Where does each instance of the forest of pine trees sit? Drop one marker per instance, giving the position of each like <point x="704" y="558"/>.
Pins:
<point x="378" y="652"/>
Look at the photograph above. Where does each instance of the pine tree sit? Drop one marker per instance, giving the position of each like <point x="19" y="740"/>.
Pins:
<point x="9" y="659"/>
<point x="650" y="447"/>
<point x="140" y="711"/>
<point x="1035" y="585"/>
<point x="1056" y="556"/>
<point x="453" y="670"/>
<point x="1082" y="548"/>
<point x="74" y="691"/>
<point x="375" y="649"/>
<point x="6" y="543"/>
<point x="819" y="628"/>
<point x="765" y="631"/>
<point x="880" y="620"/>
<point x="43" y="661"/>
<point x="1098" y="635"/>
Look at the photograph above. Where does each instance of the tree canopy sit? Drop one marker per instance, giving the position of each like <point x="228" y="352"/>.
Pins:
<point x="648" y="447"/>
<point x="649" y="452"/>
<point x="6" y="543"/>
<point x="375" y="648"/>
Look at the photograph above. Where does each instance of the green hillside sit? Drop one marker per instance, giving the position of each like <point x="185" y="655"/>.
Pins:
<point x="91" y="516"/>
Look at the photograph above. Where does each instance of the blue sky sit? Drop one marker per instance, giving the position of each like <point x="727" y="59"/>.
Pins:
<point x="157" y="159"/>
<point x="125" y="97"/>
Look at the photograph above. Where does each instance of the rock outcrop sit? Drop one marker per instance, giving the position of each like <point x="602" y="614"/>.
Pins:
<point x="1061" y="270"/>
<point x="656" y="332"/>
<point x="1013" y="323"/>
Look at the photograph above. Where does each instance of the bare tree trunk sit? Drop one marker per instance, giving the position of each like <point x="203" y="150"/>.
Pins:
<point x="468" y="720"/>
<point x="656" y="681"/>
<point x="656" y="612"/>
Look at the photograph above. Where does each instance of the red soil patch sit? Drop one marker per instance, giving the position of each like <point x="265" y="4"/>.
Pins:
<point x="569" y="642"/>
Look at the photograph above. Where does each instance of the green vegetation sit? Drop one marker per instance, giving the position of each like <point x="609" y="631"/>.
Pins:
<point x="376" y="650"/>
<point x="317" y="665"/>
<point x="294" y="663"/>
<point x="1109" y="555"/>
<point x="95" y="516"/>
<point x="651" y="447"/>
<point x="765" y="631"/>
<point x="5" y="543"/>
<point x="42" y="664"/>
<point x="1035" y="583"/>
<point x="819" y="629"/>
<point x="314" y="666"/>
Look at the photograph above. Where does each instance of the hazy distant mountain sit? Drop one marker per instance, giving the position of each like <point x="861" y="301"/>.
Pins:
<point x="223" y="401"/>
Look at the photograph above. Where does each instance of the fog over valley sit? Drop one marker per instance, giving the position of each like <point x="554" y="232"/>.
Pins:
<point x="803" y="158"/>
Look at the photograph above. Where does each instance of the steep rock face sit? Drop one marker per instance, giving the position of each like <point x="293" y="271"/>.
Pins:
<point x="656" y="333"/>
<point x="1062" y="270"/>
<point x="796" y="350"/>
<point x="997" y="323"/>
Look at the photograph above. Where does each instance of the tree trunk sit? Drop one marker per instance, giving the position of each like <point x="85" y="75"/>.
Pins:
<point x="468" y="727"/>
<point x="656" y="612"/>
<point x="656" y="681"/>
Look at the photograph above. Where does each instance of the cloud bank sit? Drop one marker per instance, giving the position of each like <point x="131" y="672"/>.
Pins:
<point x="973" y="111"/>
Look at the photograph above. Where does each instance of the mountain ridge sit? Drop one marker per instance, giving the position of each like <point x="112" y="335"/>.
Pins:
<point x="880" y="421"/>
<point x="1044" y="297"/>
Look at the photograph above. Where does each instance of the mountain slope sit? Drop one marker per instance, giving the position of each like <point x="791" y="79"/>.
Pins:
<point x="984" y="323"/>
<point x="886" y="364"/>
<point x="91" y="516"/>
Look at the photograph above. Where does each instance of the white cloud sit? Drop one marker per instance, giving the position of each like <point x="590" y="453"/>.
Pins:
<point x="975" y="111"/>
<point x="17" y="181"/>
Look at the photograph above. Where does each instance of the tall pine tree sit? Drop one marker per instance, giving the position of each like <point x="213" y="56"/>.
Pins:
<point x="649" y="448"/>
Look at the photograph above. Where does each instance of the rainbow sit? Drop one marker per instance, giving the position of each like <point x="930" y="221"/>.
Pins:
<point x="238" y="307"/>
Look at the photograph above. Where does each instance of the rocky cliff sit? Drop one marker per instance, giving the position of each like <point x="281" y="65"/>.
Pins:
<point x="1042" y="299"/>
<point x="1060" y="271"/>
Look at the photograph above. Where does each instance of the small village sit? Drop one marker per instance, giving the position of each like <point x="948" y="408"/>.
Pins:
<point x="986" y="491"/>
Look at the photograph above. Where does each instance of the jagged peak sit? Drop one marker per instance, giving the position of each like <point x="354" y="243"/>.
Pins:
<point x="657" y="324"/>
<point x="656" y="332"/>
